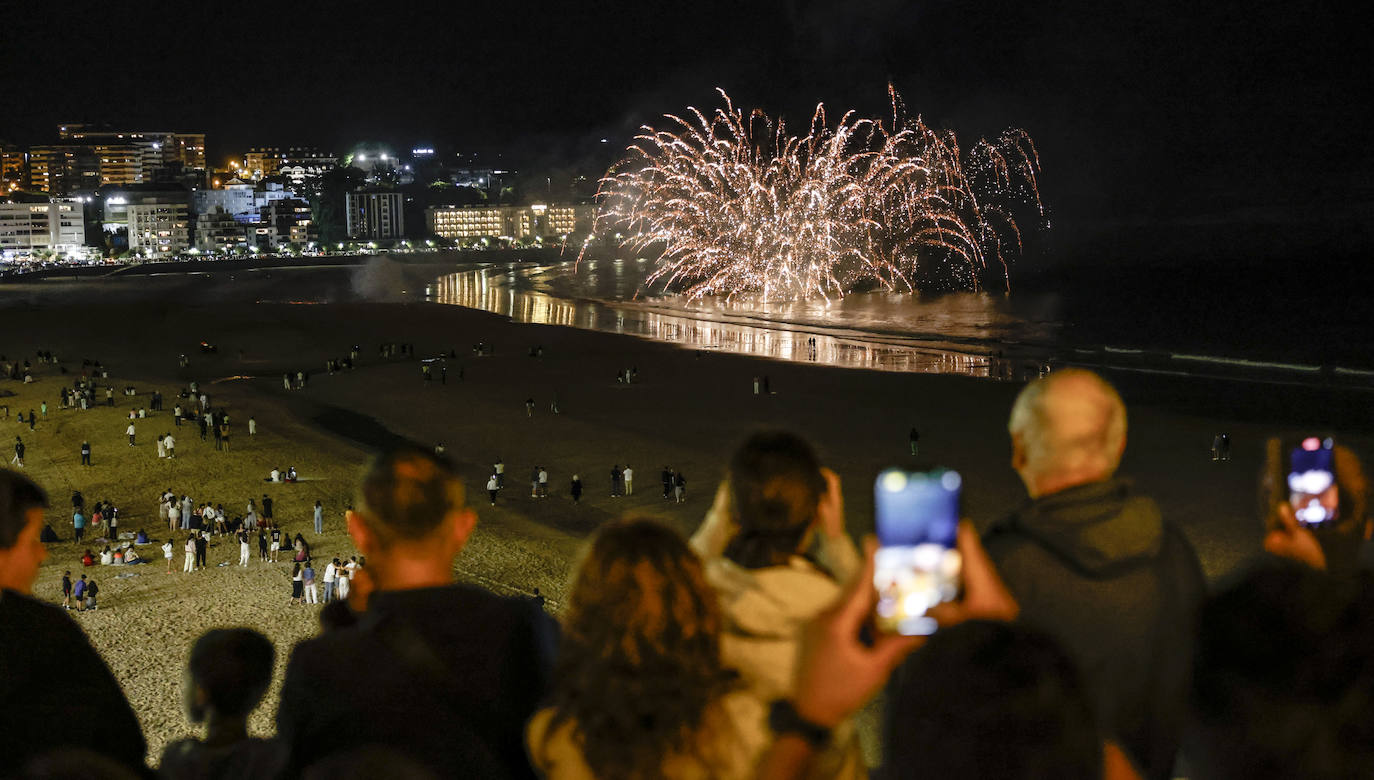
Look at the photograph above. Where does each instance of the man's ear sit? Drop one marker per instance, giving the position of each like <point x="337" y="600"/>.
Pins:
<point x="463" y="522"/>
<point x="1018" y="453"/>
<point x="363" y="536"/>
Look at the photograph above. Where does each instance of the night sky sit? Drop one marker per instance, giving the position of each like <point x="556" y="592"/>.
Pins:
<point x="1180" y="118"/>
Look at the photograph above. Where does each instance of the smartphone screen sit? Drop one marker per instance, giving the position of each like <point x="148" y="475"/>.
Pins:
<point x="1312" y="482"/>
<point x="917" y="565"/>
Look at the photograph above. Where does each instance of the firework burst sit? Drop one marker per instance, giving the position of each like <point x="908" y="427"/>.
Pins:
<point x="731" y="203"/>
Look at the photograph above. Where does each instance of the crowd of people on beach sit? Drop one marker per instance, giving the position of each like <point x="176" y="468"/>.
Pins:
<point x="1084" y="642"/>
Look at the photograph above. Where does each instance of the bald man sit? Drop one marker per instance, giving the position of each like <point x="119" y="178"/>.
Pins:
<point x="1097" y="566"/>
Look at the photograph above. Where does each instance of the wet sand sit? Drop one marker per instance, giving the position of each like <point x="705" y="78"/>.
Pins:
<point x="685" y="411"/>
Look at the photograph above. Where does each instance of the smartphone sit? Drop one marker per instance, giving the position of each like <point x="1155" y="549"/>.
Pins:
<point x="917" y="565"/>
<point x="1312" y="490"/>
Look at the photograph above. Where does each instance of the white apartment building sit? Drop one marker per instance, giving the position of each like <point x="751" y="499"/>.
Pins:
<point x="513" y="222"/>
<point x="375" y="215"/>
<point x="28" y="228"/>
<point x="158" y="226"/>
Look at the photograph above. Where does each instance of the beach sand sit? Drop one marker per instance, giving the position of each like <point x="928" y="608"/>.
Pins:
<point x="686" y="411"/>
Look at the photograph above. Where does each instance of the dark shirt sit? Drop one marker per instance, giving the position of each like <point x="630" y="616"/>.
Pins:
<point x="1117" y="585"/>
<point x="420" y="669"/>
<point x="58" y="693"/>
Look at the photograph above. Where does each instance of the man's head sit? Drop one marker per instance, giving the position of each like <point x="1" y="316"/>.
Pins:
<point x="21" y="527"/>
<point x="411" y="506"/>
<point x="1067" y="429"/>
<point x="228" y="674"/>
<point x="991" y="699"/>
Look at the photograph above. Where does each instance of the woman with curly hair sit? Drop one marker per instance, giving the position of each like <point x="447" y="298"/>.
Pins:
<point x="641" y="691"/>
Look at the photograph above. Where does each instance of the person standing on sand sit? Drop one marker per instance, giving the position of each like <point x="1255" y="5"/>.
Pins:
<point x="161" y="449"/>
<point x="275" y="547"/>
<point x="308" y="581"/>
<point x="190" y="564"/>
<point x="170" y="445"/>
<point x="18" y="459"/>
<point x="534" y="482"/>
<point x="492" y="487"/>
<point x="529" y="407"/>
<point x="202" y="545"/>
<point x="319" y="518"/>
<point x="543" y="482"/>
<point x="266" y="509"/>
<point x="680" y="488"/>
<point x="616" y="475"/>
<point x="252" y="426"/>
<point x="667" y="477"/>
<point x="243" y="547"/>
<point x="66" y="590"/>
<point x="262" y="546"/>
<point x="297" y="585"/>
<point x="576" y="489"/>
<point x="629" y="476"/>
<point x="167" y="553"/>
<point x="914" y="438"/>
<point x="130" y="433"/>
<point x="499" y="469"/>
<point x="85" y="453"/>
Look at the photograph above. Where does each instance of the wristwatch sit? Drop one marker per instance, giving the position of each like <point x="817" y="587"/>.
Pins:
<point x="783" y="718"/>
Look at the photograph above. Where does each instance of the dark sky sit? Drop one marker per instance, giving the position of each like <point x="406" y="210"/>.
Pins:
<point x="1160" y="113"/>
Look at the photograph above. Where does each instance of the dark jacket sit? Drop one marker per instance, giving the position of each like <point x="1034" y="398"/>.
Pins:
<point x="1099" y="568"/>
<point x="58" y="693"/>
<point x="447" y="675"/>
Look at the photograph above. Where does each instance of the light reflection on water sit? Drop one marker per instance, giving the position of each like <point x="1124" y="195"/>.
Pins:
<point x="960" y="334"/>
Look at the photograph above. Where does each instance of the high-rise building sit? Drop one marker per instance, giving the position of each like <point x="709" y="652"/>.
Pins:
<point x="61" y="169"/>
<point x="158" y="220"/>
<point x="191" y="149"/>
<point x="155" y="149"/>
<point x="218" y="232"/>
<point x="375" y="214"/>
<point x="13" y="168"/>
<point x="29" y="228"/>
<point x="285" y="221"/>
<point x="513" y="222"/>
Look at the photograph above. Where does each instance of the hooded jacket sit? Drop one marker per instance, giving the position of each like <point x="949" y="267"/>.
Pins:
<point x="1098" y="568"/>
<point x="765" y="611"/>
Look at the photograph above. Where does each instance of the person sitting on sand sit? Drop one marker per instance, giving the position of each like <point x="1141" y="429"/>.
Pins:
<point x="141" y="538"/>
<point x="131" y="556"/>
<point x="275" y="476"/>
<point x="106" y="557"/>
<point x="290" y="473"/>
<point x="226" y="678"/>
<point x="87" y="558"/>
<point x="118" y="558"/>
<point x="53" y="677"/>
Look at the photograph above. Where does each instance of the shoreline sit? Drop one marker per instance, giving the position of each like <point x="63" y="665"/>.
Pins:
<point x="686" y="412"/>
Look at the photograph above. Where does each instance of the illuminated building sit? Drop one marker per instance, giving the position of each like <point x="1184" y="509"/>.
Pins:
<point x="539" y="220"/>
<point x="285" y="221"/>
<point x="218" y="231"/>
<point x="375" y="214"/>
<point x="13" y="167"/>
<point x="158" y="220"/>
<point x="60" y="169"/>
<point x="27" y="228"/>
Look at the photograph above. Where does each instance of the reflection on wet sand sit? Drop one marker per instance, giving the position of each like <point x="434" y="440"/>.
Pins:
<point x="735" y="329"/>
